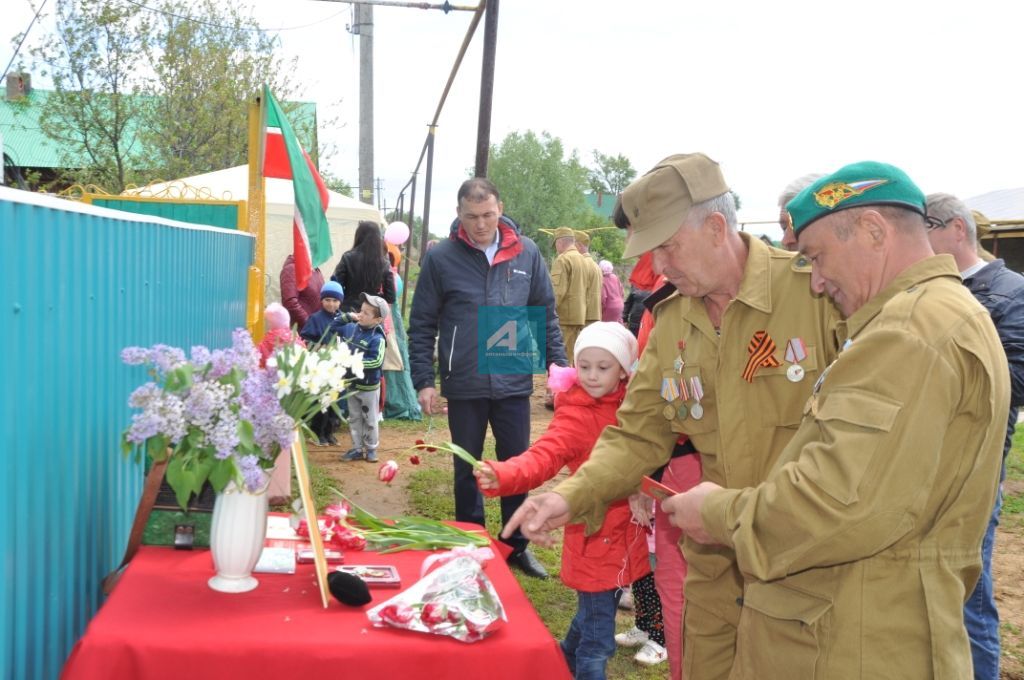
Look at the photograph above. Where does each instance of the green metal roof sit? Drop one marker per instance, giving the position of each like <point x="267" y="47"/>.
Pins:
<point x="28" y="147"/>
<point x="23" y="139"/>
<point x="602" y="204"/>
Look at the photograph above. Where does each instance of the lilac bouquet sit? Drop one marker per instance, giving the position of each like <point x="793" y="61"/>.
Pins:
<point x="222" y="418"/>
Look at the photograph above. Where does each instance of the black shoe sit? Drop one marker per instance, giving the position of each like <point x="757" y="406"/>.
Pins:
<point x="528" y="564"/>
<point x="332" y="440"/>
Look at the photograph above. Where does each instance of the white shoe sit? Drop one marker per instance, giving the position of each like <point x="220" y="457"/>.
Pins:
<point x="634" y="637"/>
<point x="651" y="654"/>
<point x="626" y="600"/>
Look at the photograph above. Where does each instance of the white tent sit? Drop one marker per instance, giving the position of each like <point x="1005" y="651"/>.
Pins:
<point x="232" y="184"/>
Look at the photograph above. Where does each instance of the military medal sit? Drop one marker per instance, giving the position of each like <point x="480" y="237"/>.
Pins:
<point x="796" y="351"/>
<point x="679" y="362"/>
<point x="696" y="411"/>
<point x="682" y="411"/>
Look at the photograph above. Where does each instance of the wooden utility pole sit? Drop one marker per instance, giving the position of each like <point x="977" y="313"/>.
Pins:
<point x="364" y="27"/>
<point x="483" y="128"/>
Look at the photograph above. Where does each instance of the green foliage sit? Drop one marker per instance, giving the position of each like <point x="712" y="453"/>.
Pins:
<point x="540" y="187"/>
<point x="209" y="61"/>
<point x="1015" y="458"/>
<point x="337" y="184"/>
<point x="612" y="174"/>
<point x="139" y="98"/>
<point x="96" y="58"/>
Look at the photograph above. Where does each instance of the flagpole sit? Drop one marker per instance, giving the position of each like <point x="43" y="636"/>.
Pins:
<point x="256" y="219"/>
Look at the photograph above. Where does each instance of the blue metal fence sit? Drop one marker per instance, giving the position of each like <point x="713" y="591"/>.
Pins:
<point x="77" y="284"/>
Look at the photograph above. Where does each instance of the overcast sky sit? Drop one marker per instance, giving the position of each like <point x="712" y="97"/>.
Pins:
<point x="770" y="90"/>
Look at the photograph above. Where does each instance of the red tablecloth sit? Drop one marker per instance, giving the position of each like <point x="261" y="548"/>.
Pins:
<point x="163" y="621"/>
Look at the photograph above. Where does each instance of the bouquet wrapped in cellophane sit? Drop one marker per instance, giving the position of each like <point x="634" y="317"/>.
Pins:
<point x="456" y="599"/>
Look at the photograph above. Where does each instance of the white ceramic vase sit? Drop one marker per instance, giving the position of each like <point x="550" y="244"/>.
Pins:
<point x="237" y="531"/>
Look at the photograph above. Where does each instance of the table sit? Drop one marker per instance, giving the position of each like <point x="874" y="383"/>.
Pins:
<point x="162" y="621"/>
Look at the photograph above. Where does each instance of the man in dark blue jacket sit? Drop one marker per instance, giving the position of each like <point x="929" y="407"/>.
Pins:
<point x="1001" y="292"/>
<point x="485" y="262"/>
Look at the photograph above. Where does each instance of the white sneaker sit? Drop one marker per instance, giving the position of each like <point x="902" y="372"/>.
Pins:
<point x="651" y="654"/>
<point x="634" y="637"/>
<point x="626" y="600"/>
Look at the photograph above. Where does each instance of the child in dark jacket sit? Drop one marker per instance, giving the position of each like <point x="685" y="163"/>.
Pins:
<point x="318" y="331"/>
<point x="600" y="565"/>
<point x="366" y="336"/>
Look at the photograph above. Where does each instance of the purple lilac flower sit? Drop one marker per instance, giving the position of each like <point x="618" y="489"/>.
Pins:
<point x="144" y="395"/>
<point x="144" y="425"/>
<point x="166" y="358"/>
<point x="200" y="355"/>
<point x="205" y="401"/>
<point x="252" y="473"/>
<point x="134" y="356"/>
<point x="224" y="435"/>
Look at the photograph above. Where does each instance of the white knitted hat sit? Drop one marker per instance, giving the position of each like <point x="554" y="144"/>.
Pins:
<point x="612" y="337"/>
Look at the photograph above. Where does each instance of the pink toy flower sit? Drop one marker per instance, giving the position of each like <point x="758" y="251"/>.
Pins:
<point x="561" y="379"/>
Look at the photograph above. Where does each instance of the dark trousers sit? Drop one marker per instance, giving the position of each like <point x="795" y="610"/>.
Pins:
<point x="510" y="425"/>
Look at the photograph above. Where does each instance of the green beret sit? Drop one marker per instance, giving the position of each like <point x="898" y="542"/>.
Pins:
<point x="854" y="186"/>
<point x="564" y="232"/>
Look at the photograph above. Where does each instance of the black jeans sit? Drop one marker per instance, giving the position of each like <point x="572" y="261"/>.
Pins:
<point x="510" y="425"/>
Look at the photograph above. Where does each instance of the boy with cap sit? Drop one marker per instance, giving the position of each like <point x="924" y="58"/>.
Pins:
<point x="366" y="336"/>
<point x="318" y="331"/>
<point x="599" y="565"/>
<point x="863" y="542"/>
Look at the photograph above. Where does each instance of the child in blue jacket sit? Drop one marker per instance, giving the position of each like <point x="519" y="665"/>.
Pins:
<point x="366" y="336"/>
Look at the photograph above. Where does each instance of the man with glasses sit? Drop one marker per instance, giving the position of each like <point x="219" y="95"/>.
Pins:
<point x="861" y="546"/>
<point x="1001" y="291"/>
<point x="485" y="262"/>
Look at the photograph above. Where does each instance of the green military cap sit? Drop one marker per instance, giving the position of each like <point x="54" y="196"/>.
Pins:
<point x="657" y="203"/>
<point x="564" y="232"/>
<point x="853" y="186"/>
<point x="581" y="237"/>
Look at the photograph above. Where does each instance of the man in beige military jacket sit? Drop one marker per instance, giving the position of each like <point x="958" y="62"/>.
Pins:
<point x="861" y="546"/>
<point x="593" y="279"/>
<point x="568" y="278"/>
<point x="734" y="352"/>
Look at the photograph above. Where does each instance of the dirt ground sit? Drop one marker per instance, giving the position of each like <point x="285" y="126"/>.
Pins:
<point x="360" y="482"/>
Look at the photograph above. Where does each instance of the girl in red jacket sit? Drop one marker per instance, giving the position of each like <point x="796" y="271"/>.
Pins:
<point x="600" y="565"/>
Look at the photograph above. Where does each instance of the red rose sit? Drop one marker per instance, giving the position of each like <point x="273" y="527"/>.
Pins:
<point x="433" y="614"/>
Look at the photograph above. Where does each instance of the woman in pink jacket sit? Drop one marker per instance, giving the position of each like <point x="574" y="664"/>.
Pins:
<point x="611" y="293"/>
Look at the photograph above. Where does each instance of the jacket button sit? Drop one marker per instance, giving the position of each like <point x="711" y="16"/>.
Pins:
<point x="739" y="601"/>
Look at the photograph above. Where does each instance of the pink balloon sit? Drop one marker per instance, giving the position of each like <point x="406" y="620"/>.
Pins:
<point x="396" y="233"/>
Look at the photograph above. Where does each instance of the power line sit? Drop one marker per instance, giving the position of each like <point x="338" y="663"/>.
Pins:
<point x="233" y="28"/>
<point x="23" y="36"/>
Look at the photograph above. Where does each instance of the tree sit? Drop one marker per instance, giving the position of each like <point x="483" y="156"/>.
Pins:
<point x="96" y="59"/>
<point x="539" y="186"/>
<point x="209" y="61"/>
<point x="138" y="99"/>
<point x="612" y="174"/>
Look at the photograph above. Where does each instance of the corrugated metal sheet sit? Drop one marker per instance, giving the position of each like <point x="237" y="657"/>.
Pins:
<point x="77" y="284"/>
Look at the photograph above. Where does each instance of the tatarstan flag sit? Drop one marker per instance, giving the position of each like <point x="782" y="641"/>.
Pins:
<point x="285" y="158"/>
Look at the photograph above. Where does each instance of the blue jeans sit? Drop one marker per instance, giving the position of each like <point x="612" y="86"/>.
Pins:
<point x="590" y="641"/>
<point x="980" y="615"/>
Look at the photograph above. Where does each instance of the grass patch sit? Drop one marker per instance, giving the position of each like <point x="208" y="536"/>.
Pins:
<point x="1015" y="458"/>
